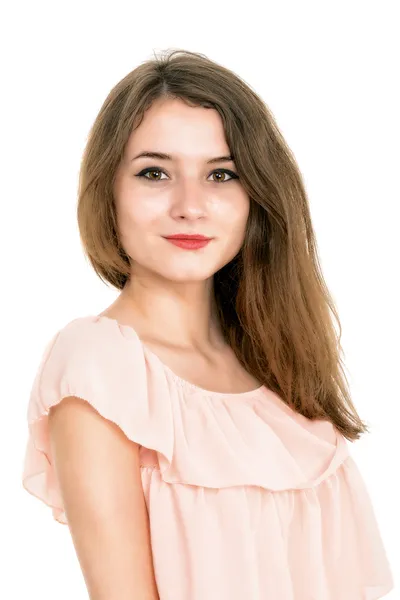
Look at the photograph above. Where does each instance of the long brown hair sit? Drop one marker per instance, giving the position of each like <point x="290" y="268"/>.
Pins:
<point x="273" y="303"/>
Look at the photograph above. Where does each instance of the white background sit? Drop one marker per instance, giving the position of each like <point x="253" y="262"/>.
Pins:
<point x="329" y="72"/>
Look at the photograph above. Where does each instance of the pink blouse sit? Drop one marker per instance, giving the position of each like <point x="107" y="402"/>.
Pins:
<point x="247" y="499"/>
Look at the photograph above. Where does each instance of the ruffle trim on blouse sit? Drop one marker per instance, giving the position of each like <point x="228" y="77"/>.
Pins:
<point x="205" y="440"/>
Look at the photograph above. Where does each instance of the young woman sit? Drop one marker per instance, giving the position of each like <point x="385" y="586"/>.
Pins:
<point x="194" y="435"/>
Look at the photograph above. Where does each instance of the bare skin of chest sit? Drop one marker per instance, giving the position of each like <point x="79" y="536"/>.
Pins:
<point x="216" y="370"/>
<point x="219" y="372"/>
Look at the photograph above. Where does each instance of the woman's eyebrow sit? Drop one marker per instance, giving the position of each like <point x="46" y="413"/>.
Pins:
<point x="163" y="156"/>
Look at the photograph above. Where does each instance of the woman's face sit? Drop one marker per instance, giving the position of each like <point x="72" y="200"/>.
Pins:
<point x="184" y="194"/>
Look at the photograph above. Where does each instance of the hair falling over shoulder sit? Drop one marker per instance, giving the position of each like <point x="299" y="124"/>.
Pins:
<point x="274" y="305"/>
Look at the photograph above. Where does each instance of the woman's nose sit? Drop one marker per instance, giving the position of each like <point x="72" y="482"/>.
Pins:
<point x="189" y="198"/>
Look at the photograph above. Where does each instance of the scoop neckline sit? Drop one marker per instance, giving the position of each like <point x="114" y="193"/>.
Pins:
<point x="182" y="382"/>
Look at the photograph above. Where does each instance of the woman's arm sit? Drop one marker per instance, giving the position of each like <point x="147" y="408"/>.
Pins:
<point x="99" y="475"/>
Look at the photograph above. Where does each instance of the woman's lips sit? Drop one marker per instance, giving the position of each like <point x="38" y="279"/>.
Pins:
<point x="189" y="244"/>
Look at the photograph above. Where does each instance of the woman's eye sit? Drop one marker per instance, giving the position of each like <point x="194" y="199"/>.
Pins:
<point x="150" y="170"/>
<point x="218" y="172"/>
<point x="224" y="172"/>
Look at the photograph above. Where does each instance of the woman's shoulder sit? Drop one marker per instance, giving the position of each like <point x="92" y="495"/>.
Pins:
<point x="91" y="337"/>
<point x="88" y="327"/>
<point x="88" y="350"/>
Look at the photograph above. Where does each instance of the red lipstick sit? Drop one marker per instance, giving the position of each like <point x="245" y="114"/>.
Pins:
<point x="188" y="241"/>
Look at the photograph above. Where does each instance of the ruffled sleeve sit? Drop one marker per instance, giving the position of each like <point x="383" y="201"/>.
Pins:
<point x="86" y="359"/>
